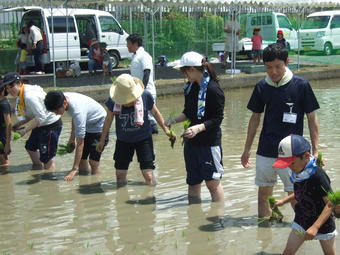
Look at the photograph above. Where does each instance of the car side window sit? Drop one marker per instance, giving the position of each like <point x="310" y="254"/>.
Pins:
<point x="261" y="20"/>
<point x="336" y="22"/>
<point x="109" y="24"/>
<point x="284" y="22"/>
<point x="60" y="24"/>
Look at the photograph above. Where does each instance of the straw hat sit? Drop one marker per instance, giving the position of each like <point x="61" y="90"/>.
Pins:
<point x="93" y="42"/>
<point x="126" y="89"/>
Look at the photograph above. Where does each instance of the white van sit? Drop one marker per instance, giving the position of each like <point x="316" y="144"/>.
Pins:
<point x="270" y="23"/>
<point x="321" y="31"/>
<point x="73" y="35"/>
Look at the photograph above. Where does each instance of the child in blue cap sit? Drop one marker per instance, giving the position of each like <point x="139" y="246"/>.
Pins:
<point x="313" y="212"/>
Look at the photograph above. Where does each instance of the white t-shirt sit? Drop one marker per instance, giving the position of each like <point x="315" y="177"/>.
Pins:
<point x="87" y="114"/>
<point x="35" y="34"/>
<point x="35" y="107"/>
<point x="141" y="61"/>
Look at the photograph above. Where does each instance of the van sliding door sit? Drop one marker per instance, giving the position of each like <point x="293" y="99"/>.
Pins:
<point x="66" y="39"/>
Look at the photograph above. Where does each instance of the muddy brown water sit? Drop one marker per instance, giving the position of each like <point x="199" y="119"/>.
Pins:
<point x="42" y="214"/>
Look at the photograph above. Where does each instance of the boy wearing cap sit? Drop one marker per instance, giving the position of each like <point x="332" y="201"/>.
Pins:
<point x="313" y="212"/>
<point x="280" y="39"/>
<point x="87" y="122"/>
<point x="45" y="126"/>
<point x="129" y="103"/>
<point x="285" y="99"/>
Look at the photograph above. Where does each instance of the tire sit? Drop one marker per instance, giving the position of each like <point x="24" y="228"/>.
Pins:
<point x="328" y="49"/>
<point x="115" y="59"/>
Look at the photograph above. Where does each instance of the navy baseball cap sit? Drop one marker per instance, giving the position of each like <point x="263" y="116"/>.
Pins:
<point x="290" y="147"/>
<point x="10" y="78"/>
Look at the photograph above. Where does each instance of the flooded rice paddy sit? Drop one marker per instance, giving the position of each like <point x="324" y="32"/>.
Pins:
<point x="42" y="214"/>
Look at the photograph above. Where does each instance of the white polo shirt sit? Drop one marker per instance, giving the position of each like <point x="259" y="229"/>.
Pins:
<point x="141" y="60"/>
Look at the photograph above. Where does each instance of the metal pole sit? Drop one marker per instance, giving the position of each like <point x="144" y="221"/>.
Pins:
<point x="206" y="35"/>
<point x="130" y="18"/>
<point x="53" y="56"/>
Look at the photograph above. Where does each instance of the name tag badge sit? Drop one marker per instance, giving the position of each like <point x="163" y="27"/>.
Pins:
<point x="289" y="117"/>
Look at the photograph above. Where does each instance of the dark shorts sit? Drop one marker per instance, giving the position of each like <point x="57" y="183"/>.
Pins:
<point x="256" y="52"/>
<point x="124" y="153"/>
<point x="45" y="139"/>
<point x="203" y="163"/>
<point x="90" y="142"/>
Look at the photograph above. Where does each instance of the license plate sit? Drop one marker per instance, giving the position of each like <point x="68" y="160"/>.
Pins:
<point x="307" y="48"/>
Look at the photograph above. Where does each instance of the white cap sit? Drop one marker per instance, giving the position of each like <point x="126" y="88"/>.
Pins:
<point x="190" y="58"/>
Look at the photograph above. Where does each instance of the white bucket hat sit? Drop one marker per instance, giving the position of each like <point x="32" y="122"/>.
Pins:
<point x="126" y="89"/>
<point x="190" y="58"/>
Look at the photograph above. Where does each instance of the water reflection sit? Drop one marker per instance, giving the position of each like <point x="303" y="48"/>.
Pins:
<point x="42" y="214"/>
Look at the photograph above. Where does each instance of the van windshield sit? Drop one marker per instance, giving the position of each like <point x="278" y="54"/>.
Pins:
<point x="315" y="22"/>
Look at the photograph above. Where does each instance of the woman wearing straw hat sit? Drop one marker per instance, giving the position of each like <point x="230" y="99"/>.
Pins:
<point x="95" y="56"/>
<point x="204" y="103"/>
<point x="130" y="103"/>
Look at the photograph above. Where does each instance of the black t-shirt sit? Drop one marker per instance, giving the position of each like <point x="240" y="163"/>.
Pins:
<point x="214" y="106"/>
<point x="273" y="101"/>
<point x="5" y="108"/>
<point x="309" y="196"/>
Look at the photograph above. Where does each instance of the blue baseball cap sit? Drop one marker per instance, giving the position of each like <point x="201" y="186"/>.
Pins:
<point x="10" y="78"/>
<point x="290" y="147"/>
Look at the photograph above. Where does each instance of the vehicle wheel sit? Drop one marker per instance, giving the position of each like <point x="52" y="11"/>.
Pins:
<point x="115" y="59"/>
<point x="328" y="49"/>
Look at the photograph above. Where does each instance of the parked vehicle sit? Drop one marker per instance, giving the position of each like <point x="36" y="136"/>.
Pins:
<point x="73" y="31"/>
<point x="321" y="32"/>
<point x="270" y="23"/>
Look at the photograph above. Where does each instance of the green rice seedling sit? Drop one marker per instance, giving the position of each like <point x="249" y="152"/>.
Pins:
<point x="186" y="125"/>
<point x="64" y="149"/>
<point x="319" y="160"/>
<point x="334" y="197"/>
<point x="262" y="220"/>
<point x="16" y="136"/>
<point x="300" y="232"/>
<point x="2" y="146"/>
<point x="113" y="78"/>
<point x="172" y="137"/>
<point x="276" y="213"/>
